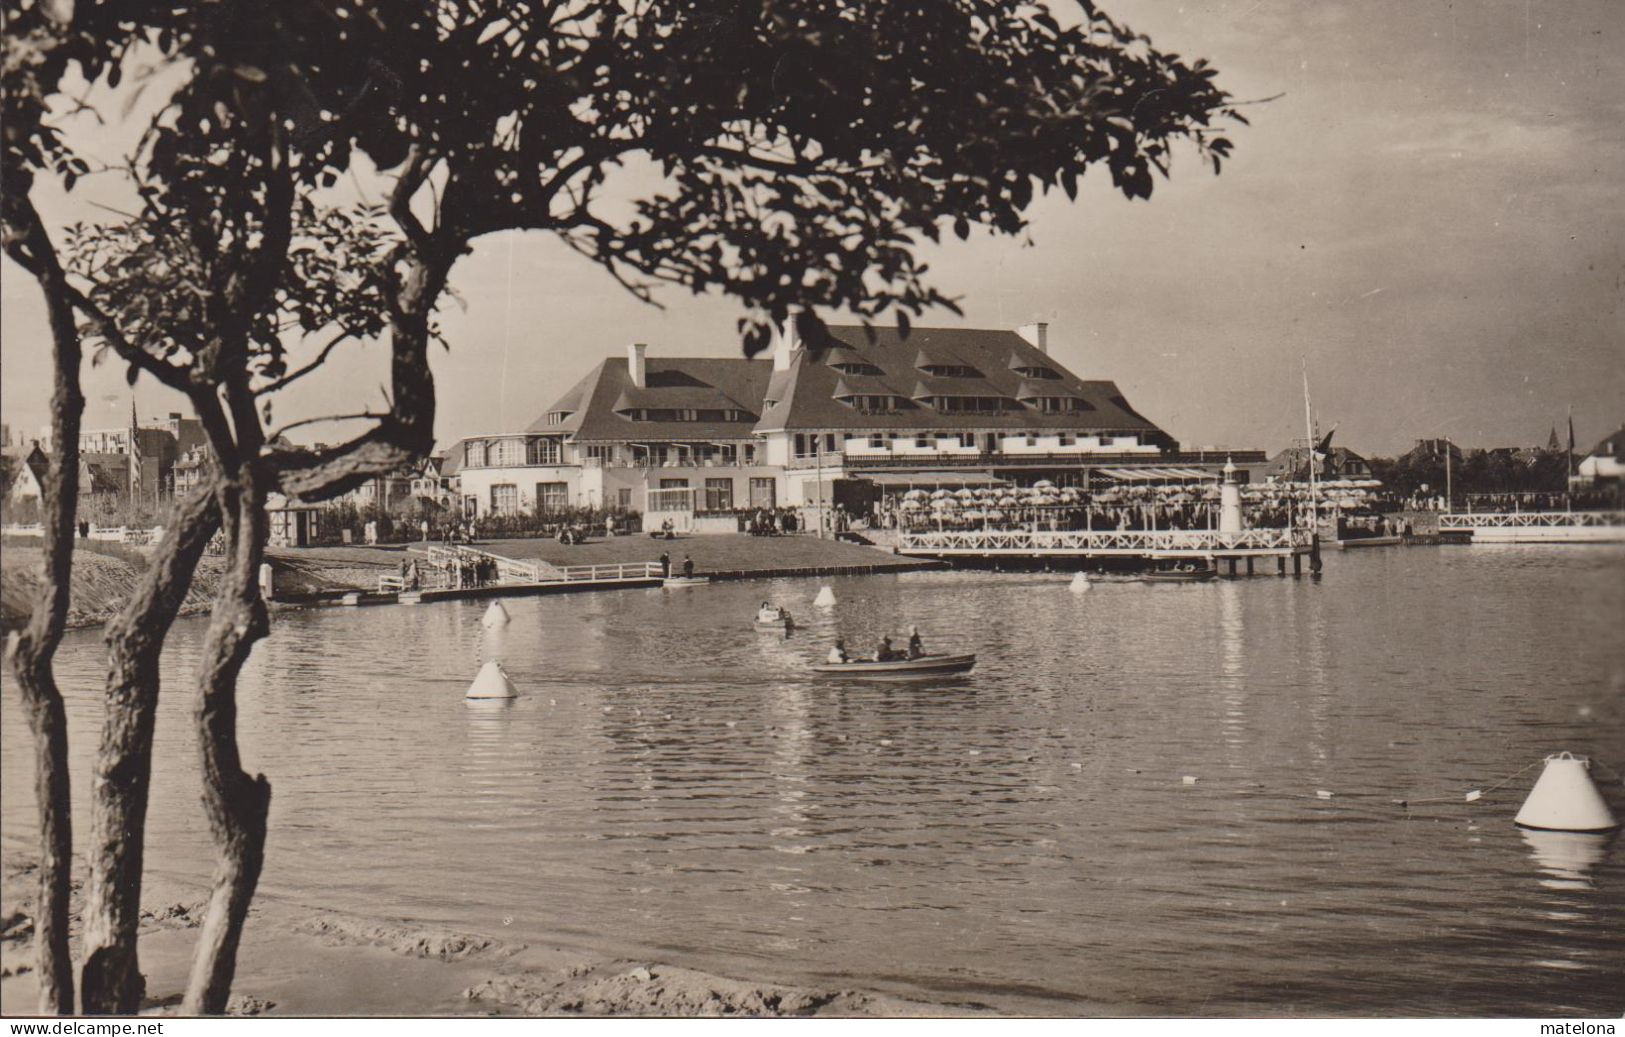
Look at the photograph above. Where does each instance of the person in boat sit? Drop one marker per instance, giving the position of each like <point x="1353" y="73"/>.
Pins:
<point x="884" y="652"/>
<point x="916" y="647"/>
<point x="837" y="655"/>
<point x="688" y="567"/>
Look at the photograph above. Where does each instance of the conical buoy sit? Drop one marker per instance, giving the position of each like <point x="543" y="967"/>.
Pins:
<point x="1079" y="584"/>
<point x="492" y="683"/>
<point x="495" y="616"/>
<point x="825" y="599"/>
<point x="1565" y="799"/>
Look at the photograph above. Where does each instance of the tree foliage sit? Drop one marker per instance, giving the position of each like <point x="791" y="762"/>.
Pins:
<point x="794" y="155"/>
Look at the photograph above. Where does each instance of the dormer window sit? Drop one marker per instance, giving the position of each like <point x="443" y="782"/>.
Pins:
<point x="951" y="371"/>
<point x="558" y="417"/>
<point x="870" y="404"/>
<point x="857" y="367"/>
<point x="970" y="404"/>
<point x="1048" y="374"/>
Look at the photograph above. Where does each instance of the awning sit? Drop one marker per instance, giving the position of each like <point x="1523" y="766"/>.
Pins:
<point x="1155" y="474"/>
<point x="932" y="480"/>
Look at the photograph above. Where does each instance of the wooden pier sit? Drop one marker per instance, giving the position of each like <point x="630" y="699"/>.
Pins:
<point x="1150" y="544"/>
<point x="1535" y="527"/>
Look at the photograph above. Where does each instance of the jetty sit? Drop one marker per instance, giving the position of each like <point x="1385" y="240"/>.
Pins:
<point x="1534" y="527"/>
<point x="1210" y="546"/>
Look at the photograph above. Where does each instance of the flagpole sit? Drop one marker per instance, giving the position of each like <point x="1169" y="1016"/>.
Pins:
<point x="1568" y="467"/>
<point x="1309" y="449"/>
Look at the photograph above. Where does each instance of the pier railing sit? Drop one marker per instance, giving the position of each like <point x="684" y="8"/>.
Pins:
<point x="444" y="572"/>
<point x="1465" y="522"/>
<point x="1156" y="543"/>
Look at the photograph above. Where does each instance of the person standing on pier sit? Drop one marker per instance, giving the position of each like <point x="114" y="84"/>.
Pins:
<point x="665" y="564"/>
<point x="688" y="567"/>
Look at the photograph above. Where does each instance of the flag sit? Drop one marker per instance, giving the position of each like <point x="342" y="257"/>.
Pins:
<point x="1323" y="451"/>
<point x="135" y="455"/>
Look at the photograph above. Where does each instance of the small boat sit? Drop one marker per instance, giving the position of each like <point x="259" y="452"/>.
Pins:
<point x="685" y="581"/>
<point x="1180" y="575"/>
<point x="780" y="621"/>
<point x="900" y="669"/>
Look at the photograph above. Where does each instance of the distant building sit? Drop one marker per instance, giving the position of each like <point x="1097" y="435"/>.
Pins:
<point x="1430" y="449"/>
<point x="1292" y="465"/>
<point x="1606" y="461"/>
<point x="190" y="469"/>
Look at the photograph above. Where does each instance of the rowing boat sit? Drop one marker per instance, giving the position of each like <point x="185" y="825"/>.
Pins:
<point x="1180" y="575"/>
<point x="685" y="581"/>
<point x="900" y="669"/>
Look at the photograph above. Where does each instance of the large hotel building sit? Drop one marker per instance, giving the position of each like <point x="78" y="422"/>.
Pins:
<point x="845" y="418"/>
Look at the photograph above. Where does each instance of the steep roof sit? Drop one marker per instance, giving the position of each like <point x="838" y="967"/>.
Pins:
<point x="597" y="405"/>
<point x="1613" y="446"/>
<point x="806" y="394"/>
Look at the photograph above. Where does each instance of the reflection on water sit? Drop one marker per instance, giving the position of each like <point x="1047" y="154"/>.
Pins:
<point x="671" y="783"/>
<point x="1567" y="857"/>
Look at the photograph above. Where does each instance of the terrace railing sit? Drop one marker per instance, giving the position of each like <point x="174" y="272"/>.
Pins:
<point x="1460" y="522"/>
<point x="1126" y="542"/>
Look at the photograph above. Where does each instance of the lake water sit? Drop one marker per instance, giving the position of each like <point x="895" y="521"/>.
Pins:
<point x="673" y="786"/>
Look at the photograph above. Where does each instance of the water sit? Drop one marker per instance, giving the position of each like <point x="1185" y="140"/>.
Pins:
<point x="672" y="785"/>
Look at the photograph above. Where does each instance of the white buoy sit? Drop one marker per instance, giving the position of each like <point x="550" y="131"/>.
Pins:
<point x="825" y="599"/>
<point x="1565" y="799"/>
<point x="495" y="616"/>
<point x="1079" y="584"/>
<point x="492" y="683"/>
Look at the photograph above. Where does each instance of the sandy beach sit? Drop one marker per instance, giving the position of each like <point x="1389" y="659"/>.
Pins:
<point x="380" y="967"/>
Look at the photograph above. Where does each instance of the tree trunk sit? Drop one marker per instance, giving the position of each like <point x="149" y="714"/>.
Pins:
<point x="33" y="651"/>
<point x="236" y="804"/>
<point x="111" y="980"/>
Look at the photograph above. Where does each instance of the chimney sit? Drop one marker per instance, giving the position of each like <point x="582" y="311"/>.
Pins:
<point x="787" y="341"/>
<point x="1036" y="333"/>
<point x="635" y="364"/>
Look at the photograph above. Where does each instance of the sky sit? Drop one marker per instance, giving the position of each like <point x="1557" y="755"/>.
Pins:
<point x="1428" y="217"/>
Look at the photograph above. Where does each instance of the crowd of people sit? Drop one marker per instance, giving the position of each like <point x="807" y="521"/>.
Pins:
<point x="460" y="570"/>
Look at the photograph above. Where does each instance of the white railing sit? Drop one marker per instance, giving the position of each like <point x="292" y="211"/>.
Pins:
<point x="1459" y="522"/>
<point x="1138" y="542"/>
<point x="443" y="572"/>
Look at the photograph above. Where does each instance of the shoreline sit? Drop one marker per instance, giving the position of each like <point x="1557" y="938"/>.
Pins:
<point x="373" y="966"/>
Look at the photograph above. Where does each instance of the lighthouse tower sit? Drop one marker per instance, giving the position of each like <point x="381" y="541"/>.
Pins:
<point x="1230" y="500"/>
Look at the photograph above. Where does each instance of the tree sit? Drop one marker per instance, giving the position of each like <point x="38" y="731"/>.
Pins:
<point x="802" y="150"/>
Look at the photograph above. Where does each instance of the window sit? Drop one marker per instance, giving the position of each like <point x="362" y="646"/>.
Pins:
<point x="924" y="442"/>
<point x="877" y="442"/>
<point x="761" y="493"/>
<point x="552" y="496"/>
<point x="504" y="453"/>
<point x="969" y="404"/>
<point x="750" y="453"/>
<point x="1068" y="439"/>
<point x="505" y="499"/>
<point x="1045" y="373"/>
<point x="557" y="417"/>
<point x="674" y="484"/>
<point x="604" y="452"/>
<point x="475" y="453"/>
<point x="857" y="367"/>
<point x="719" y="494"/>
<point x="870" y="404"/>
<point x="623" y="498"/>
<point x="967" y="439"/>
<point x="543" y="451"/>
<point x="952" y="371"/>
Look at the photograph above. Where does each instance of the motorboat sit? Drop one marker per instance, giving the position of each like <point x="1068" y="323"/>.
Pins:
<point x="685" y="581"/>
<point x="900" y="669"/>
<point x="774" y="619"/>
<point x="1180" y="575"/>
